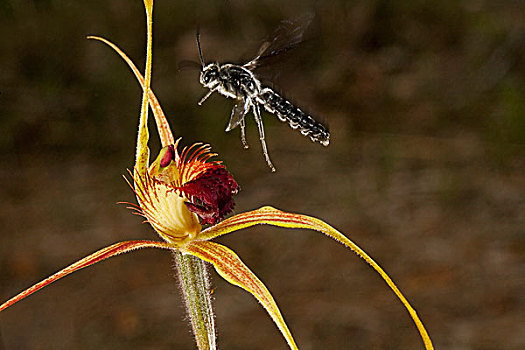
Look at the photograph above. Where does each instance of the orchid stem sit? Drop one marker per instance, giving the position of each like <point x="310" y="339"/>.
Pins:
<point x="195" y="285"/>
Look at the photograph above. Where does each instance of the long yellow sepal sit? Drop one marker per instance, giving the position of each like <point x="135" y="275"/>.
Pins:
<point x="102" y="254"/>
<point x="271" y="216"/>
<point x="165" y="134"/>
<point x="142" y="152"/>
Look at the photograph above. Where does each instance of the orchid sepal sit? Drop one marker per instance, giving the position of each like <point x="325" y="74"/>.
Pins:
<point x="142" y="152"/>
<point x="163" y="127"/>
<point x="99" y="255"/>
<point x="275" y="217"/>
<point x="230" y="267"/>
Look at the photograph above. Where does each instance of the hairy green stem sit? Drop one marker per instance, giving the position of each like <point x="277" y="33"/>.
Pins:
<point x="195" y="285"/>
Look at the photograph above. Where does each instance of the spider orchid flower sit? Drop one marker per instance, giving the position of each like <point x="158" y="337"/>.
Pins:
<point x="180" y="192"/>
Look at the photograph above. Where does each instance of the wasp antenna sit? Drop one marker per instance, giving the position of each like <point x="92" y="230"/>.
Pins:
<point x="199" y="47"/>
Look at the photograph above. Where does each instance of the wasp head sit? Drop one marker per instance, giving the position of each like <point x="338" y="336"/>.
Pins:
<point x="209" y="75"/>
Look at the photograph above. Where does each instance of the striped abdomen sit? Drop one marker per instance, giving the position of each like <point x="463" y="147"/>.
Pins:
<point x="287" y="112"/>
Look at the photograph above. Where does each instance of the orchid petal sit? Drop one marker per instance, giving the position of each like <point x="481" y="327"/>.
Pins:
<point x="166" y="136"/>
<point x="271" y="216"/>
<point x="102" y="254"/>
<point x="233" y="270"/>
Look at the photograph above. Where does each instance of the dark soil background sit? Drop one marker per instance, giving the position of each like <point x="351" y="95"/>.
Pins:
<point x="425" y="171"/>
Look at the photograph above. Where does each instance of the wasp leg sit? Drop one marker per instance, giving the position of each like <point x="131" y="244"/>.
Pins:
<point x="243" y="135"/>
<point x="246" y="109"/>
<point x="206" y="96"/>
<point x="237" y="118"/>
<point x="260" y="126"/>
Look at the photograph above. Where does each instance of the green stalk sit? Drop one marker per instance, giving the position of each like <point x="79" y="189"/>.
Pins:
<point x="195" y="285"/>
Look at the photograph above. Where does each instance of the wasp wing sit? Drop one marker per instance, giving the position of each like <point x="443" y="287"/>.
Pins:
<point x="238" y="113"/>
<point x="287" y="36"/>
<point x="186" y="64"/>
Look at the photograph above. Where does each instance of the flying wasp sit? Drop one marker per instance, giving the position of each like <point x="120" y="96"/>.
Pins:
<point x="239" y="82"/>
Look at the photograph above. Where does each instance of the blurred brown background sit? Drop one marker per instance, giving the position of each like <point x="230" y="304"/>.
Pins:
<point x="426" y="104"/>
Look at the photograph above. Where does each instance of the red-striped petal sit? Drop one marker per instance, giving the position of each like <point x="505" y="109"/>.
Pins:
<point x="271" y="216"/>
<point x="102" y="254"/>
<point x="233" y="270"/>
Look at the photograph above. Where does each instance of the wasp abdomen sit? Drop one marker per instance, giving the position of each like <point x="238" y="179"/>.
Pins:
<point x="287" y="112"/>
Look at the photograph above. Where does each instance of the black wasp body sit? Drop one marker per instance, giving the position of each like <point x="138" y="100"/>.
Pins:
<point x="241" y="84"/>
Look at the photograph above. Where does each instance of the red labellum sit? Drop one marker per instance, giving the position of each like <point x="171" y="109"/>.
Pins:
<point x="211" y="194"/>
